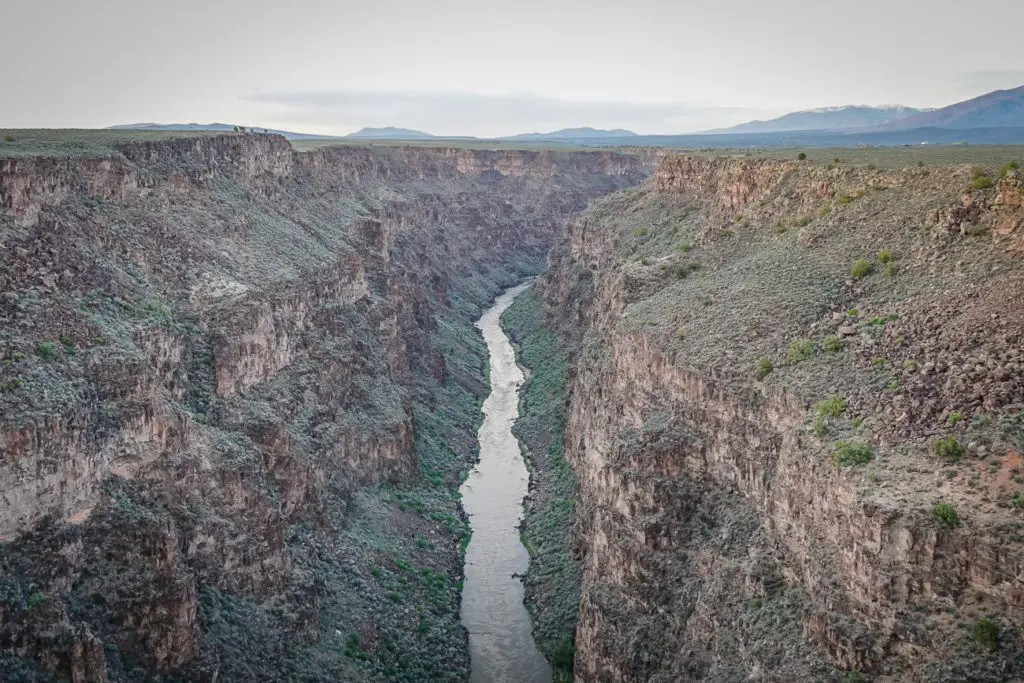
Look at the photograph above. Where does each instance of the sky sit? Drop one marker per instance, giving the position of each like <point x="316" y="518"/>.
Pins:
<point x="477" y="67"/>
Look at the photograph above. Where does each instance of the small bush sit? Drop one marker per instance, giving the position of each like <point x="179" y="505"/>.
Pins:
<point x="825" y="210"/>
<point x="680" y="333"/>
<point x="845" y="199"/>
<point x="779" y="228"/>
<point x="765" y="367"/>
<point x="980" y="181"/>
<point x="819" y="426"/>
<point x="803" y="221"/>
<point x="36" y="598"/>
<point x="986" y="634"/>
<point x="848" y="454"/>
<point x="640" y="232"/>
<point x="833" y="406"/>
<point x="47" y="350"/>
<point x="831" y="344"/>
<point x="684" y="269"/>
<point x="885" y="255"/>
<point x="891" y="269"/>
<point x="800" y="350"/>
<point x="1008" y="168"/>
<point x="8" y="138"/>
<point x="853" y="312"/>
<point x="948" y="448"/>
<point x="802" y="156"/>
<point x="643" y="260"/>
<point x="945" y="512"/>
<point x="861" y="268"/>
<point x="684" y="247"/>
<point x="955" y="417"/>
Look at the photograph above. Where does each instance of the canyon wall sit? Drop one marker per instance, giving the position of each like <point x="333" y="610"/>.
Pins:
<point x="793" y="465"/>
<point x="239" y="388"/>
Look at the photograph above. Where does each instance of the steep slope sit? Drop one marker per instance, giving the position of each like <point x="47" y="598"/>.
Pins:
<point x="794" y="465"/>
<point x="828" y="118"/>
<point x="997" y="109"/>
<point x="239" y="389"/>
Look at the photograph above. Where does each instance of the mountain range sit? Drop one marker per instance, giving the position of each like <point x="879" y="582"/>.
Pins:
<point x="218" y="126"/>
<point x="826" y="118"/>
<point x="994" y="118"/>
<point x="570" y="134"/>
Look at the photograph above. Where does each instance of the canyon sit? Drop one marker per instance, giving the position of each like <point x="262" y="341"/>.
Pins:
<point x="772" y="411"/>
<point x="240" y="387"/>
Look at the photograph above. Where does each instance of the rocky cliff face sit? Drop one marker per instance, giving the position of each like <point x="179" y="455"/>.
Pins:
<point x="238" y="388"/>
<point x="795" y="466"/>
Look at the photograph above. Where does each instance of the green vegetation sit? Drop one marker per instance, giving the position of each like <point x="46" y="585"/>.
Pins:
<point x="832" y="344"/>
<point x="824" y="211"/>
<point x="35" y="599"/>
<point x="779" y="228"/>
<point x="684" y="269"/>
<point x="955" y="417"/>
<point x="553" y="579"/>
<point x="833" y="406"/>
<point x="8" y="138"/>
<point x="986" y="634"/>
<point x="803" y="221"/>
<point x="945" y="512"/>
<point x="684" y="247"/>
<point x="802" y="156"/>
<point x="980" y="181"/>
<point x="640" y="232"/>
<point x="948" y="448"/>
<point x="1008" y="168"/>
<point x="891" y="269"/>
<point x="47" y="350"/>
<point x="885" y="255"/>
<point x="764" y="368"/>
<point x="800" y="350"/>
<point x="861" y="268"/>
<point x="643" y="260"/>
<point x="848" y="454"/>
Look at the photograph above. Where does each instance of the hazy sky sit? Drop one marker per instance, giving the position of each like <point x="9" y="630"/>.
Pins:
<point x="477" y="67"/>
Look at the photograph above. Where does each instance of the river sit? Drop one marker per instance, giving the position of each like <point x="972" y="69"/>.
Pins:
<point x="500" y="642"/>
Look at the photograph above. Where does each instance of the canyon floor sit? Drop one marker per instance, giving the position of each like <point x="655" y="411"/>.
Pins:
<point x="772" y="409"/>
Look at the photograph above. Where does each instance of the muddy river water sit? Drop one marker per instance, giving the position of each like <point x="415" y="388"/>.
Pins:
<point x="500" y="642"/>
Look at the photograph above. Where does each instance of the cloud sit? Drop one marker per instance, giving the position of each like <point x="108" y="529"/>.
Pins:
<point x="461" y="113"/>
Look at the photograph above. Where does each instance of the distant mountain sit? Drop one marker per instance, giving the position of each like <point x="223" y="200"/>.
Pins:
<point x="570" y="134"/>
<point x="997" y="109"/>
<point x="827" y="118"/>
<point x="218" y="126"/>
<point x="389" y="133"/>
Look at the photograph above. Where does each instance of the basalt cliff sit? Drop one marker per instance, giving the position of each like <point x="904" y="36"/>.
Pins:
<point x="238" y="393"/>
<point x="793" y="416"/>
